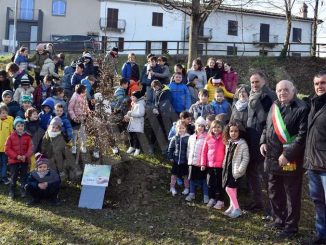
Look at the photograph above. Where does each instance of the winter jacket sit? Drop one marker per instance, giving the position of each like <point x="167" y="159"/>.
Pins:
<point x="239" y="116"/>
<point x="201" y="110"/>
<point x="162" y="101"/>
<point x="195" y="148"/>
<point x="21" y="113"/>
<point x="133" y="86"/>
<point x="315" y="153"/>
<point x="40" y="94"/>
<point x="240" y="159"/>
<point x="6" y="128"/>
<point x="21" y="61"/>
<point x="18" y="145"/>
<point x="13" y="108"/>
<point x="223" y="107"/>
<point x="211" y="72"/>
<point x="89" y="89"/>
<point x="52" y="178"/>
<point x="136" y="114"/>
<point x="295" y="119"/>
<point x="46" y="117"/>
<point x="180" y="97"/>
<point x="48" y="68"/>
<point x="120" y="99"/>
<point x="66" y="128"/>
<point x="57" y="100"/>
<point x="130" y="71"/>
<point x="19" y="92"/>
<point x="173" y="130"/>
<point x="38" y="60"/>
<point x="66" y="79"/>
<point x="212" y="89"/>
<point x="177" y="150"/>
<point x="148" y="80"/>
<point x="202" y="78"/>
<point x="78" y="107"/>
<point x="164" y="75"/>
<point x="89" y="68"/>
<point x="37" y="133"/>
<point x="76" y="79"/>
<point x="213" y="152"/>
<point x="230" y="80"/>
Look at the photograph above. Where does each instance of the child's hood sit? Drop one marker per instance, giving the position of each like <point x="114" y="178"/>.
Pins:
<point x="48" y="102"/>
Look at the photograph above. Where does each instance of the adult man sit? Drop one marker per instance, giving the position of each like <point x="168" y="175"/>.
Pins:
<point x="282" y="145"/>
<point x="260" y="101"/>
<point x="315" y="155"/>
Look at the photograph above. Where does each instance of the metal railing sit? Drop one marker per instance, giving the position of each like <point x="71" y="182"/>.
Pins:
<point x="207" y="33"/>
<point x="271" y="38"/>
<point x="119" y="25"/>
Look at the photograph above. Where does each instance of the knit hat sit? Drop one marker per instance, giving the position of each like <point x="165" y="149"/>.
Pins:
<point x="24" y="81"/>
<point x="217" y="78"/>
<point x="137" y="94"/>
<point x="41" y="159"/>
<point x="56" y="121"/>
<point x="192" y="77"/>
<point x="87" y="56"/>
<point x="201" y="121"/>
<point x="7" y="93"/>
<point x="26" y="98"/>
<point x="18" y="120"/>
<point x="115" y="49"/>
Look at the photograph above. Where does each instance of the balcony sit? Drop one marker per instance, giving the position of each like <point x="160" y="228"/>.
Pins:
<point x="269" y="41"/>
<point x="26" y="14"/>
<point x="205" y="34"/>
<point x="113" y="26"/>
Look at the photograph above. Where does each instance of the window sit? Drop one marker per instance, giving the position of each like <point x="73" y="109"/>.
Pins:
<point x="112" y="19"/>
<point x="157" y="19"/>
<point x="231" y="50"/>
<point x="27" y="9"/>
<point x="264" y="33"/>
<point x="296" y="36"/>
<point x="233" y="28"/>
<point x="59" y="7"/>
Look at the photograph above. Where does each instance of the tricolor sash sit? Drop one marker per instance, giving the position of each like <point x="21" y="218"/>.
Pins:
<point x="279" y="126"/>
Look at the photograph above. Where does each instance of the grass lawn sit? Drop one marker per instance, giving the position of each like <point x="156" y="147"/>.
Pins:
<point x="137" y="210"/>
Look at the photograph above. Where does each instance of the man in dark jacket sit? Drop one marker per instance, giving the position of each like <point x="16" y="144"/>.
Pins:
<point x="260" y="101"/>
<point x="315" y="155"/>
<point x="283" y="148"/>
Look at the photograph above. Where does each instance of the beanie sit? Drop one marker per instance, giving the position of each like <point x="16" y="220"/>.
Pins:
<point x="41" y="159"/>
<point x="56" y="121"/>
<point x="200" y="121"/>
<point x="137" y="94"/>
<point x="27" y="98"/>
<point x="18" y="120"/>
<point x="25" y="81"/>
<point x="7" y="93"/>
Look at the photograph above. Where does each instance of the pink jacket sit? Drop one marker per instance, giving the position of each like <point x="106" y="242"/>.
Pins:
<point x="230" y="81"/>
<point x="78" y="107"/>
<point x="213" y="152"/>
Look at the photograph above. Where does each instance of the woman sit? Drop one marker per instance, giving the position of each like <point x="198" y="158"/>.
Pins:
<point x="197" y="69"/>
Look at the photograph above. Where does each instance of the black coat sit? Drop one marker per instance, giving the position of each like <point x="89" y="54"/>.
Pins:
<point x="315" y="153"/>
<point x="177" y="150"/>
<point x="295" y="119"/>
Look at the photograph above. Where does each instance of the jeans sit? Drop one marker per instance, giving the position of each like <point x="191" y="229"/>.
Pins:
<point x="3" y="164"/>
<point x="317" y="188"/>
<point x="201" y="183"/>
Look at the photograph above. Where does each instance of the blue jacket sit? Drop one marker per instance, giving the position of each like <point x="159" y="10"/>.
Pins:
<point x="56" y="100"/>
<point x="52" y="178"/>
<point x="76" y="79"/>
<point x="119" y="98"/>
<point x="20" y="59"/>
<point x="89" y="68"/>
<point x="180" y="97"/>
<point x="46" y="117"/>
<point x="130" y="70"/>
<point x="66" y="79"/>
<point x="146" y="81"/>
<point x="223" y="107"/>
<point x="88" y="86"/>
<point x="177" y="150"/>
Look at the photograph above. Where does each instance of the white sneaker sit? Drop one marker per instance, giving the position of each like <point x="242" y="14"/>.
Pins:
<point x="185" y="191"/>
<point x="219" y="205"/>
<point x="190" y="197"/>
<point x="73" y="149"/>
<point x="130" y="150"/>
<point x="228" y="211"/>
<point x="211" y="203"/>
<point x="206" y="199"/>
<point x="137" y="151"/>
<point x="96" y="154"/>
<point x="115" y="150"/>
<point x="173" y="191"/>
<point x="83" y="149"/>
<point x="235" y="213"/>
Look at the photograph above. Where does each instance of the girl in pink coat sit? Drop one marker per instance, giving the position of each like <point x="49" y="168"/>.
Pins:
<point x="212" y="160"/>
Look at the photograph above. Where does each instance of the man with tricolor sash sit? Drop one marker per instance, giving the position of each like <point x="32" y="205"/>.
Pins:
<point x="282" y="144"/>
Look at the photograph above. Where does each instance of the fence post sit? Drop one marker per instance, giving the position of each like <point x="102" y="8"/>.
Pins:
<point x="177" y="47"/>
<point x="234" y="53"/>
<point x="289" y="49"/>
<point x="104" y="44"/>
<point x="148" y="47"/>
<point x="206" y="44"/>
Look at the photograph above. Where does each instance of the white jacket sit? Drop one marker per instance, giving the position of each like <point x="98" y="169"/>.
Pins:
<point x="19" y="92"/>
<point x="240" y="159"/>
<point x="48" y="68"/>
<point x="136" y="114"/>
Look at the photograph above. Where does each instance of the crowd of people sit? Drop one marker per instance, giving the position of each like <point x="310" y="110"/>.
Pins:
<point x="213" y="130"/>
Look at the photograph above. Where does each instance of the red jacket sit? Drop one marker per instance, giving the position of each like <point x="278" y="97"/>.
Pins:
<point x="213" y="152"/>
<point x="18" y="145"/>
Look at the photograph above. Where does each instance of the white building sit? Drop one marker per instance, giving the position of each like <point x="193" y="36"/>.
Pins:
<point x="228" y="31"/>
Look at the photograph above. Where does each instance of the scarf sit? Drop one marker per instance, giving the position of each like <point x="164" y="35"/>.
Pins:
<point x="53" y="134"/>
<point x="254" y="97"/>
<point x="241" y="105"/>
<point x="42" y="174"/>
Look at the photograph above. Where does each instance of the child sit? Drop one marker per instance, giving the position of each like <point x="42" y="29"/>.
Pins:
<point x="209" y="119"/>
<point x="78" y="111"/>
<point x="211" y="68"/>
<point x="194" y="151"/>
<point x="58" y="98"/>
<point x="136" y="122"/>
<point x="88" y="82"/>
<point x="152" y="69"/>
<point x="88" y="64"/>
<point x="197" y="69"/>
<point x="26" y="103"/>
<point x="177" y="154"/>
<point x="25" y="88"/>
<point x="66" y="128"/>
<point x="212" y="85"/>
<point x="6" y="128"/>
<point x="18" y="148"/>
<point x="48" y="68"/>
<point x="13" y="106"/>
<point x="130" y="69"/>
<point x="234" y="165"/>
<point x="201" y="108"/>
<point x="178" y="68"/>
<point x="120" y="98"/>
<point x="164" y="75"/>
<point x="46" y="113"/>
<point x="230" y="78"/>
<point x="180" y="96"/>
<point x="43" y="183"/>
<point x="42" y="92"/>
<point x="185" y="117"/>
<point x="212" y="161"/>
<point x="219" y="104"/>
<point x="78" y="75"/>
<point x="192" y="80"/>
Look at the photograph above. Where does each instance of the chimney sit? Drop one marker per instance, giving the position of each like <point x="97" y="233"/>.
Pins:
<point x="304" y="11"/>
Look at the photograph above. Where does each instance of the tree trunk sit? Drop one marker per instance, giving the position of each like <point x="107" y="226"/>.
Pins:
<point x="193" y="32"/>
<point x="287" y="36"/>
<point x="314" y="30"/>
